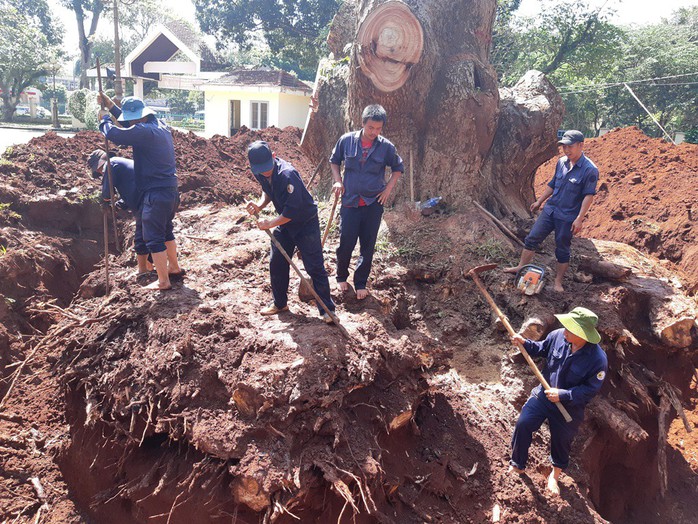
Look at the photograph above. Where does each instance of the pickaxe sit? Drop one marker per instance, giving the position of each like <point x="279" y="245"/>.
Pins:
<point x="473" y="273"/>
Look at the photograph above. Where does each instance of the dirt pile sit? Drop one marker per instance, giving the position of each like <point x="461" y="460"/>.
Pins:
<point x="647" y="196"/>
<point x="188" y="406"/>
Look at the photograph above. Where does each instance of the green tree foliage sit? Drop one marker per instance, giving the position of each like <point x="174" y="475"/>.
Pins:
<point x="83" y="8"/>
<point x="294" y="30"/>
<point x="180" y="101"/>
<point x="38" y="12"/>
<point x="25" y="55"/>
<point x="589" y="59"/>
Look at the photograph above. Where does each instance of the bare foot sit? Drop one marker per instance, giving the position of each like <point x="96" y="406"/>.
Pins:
<point x="558" y="288"/>
<point x="156" y="286"/>
<point x="361" y="294"/>
<point x="343" y="286"/>
<point x="514" y="469"/>
<point x="553" y="487"/>
<point x="514" y="269"/>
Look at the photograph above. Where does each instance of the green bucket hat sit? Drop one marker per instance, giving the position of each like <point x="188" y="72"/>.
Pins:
<point x="582" y="322"/>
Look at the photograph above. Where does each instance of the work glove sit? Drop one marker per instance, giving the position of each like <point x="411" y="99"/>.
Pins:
<point x="120" y="204"/>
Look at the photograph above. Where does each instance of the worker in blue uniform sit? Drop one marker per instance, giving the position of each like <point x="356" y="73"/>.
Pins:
<point x="569" y="196"/>
<point x="575" y="369"/>
<point x="364" y="192"/>
<point x="156" y="179"/>
<point x="124" y="183"/>
<point x="296" y="226"/>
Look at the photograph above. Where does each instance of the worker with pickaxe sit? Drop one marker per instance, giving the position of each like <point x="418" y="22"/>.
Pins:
<point x="156" y="180"/>
<point x="296" y="226"/>
<point x="575" y="370"/>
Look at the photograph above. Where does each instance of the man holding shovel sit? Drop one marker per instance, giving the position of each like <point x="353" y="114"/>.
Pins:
<point x="575" y="369"/>
<point x="156" y="180"/>
<point x="296" y="226"/>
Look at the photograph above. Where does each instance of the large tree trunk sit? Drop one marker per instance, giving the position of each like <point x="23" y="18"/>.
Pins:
<point x="428" y="64"/>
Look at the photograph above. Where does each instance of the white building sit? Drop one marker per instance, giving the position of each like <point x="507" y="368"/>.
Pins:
<point x="255" y="98"/>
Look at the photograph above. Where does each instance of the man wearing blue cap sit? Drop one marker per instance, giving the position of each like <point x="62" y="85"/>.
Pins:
<point x="575" y="368"/>
<point x="156" y="180"/>
<point x="571" y="192"/>
<point x="297" y="226"/>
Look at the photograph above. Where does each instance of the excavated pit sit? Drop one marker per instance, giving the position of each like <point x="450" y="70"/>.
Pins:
<point x="187" y="407"/>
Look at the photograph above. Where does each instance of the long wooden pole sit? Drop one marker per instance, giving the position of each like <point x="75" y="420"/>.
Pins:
<point x="511" y="332"/>
<point x="106" y="250"/>
<point x="108" y="169"/>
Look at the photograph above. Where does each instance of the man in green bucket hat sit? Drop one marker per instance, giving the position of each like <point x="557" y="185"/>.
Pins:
<point x="575" y="369"/>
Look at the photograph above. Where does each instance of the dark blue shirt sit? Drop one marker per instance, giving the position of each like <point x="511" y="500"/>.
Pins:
<point x="364" y="179"/>
<point x="124" y="180"/>
<point x="287" y="192"/>
<point x="577" y="375"/>
<point x="153" y="150"/>
<point x="570" y="186"/>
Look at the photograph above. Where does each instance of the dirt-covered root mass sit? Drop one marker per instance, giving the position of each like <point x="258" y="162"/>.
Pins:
<point x="187" y="406"/>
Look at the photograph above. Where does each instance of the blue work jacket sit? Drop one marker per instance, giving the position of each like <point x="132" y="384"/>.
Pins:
<point x="153" y="151"/>
<point x="288" y="193"/>
<point x="368" y="180"/>
<point x="579" y="375"/>
<point x="570" y="186"/>
<point x="124" y="180"/>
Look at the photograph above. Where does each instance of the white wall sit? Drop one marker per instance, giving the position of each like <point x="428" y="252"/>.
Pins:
<point x="284" y="109"/>
<point x="293" y="110"/>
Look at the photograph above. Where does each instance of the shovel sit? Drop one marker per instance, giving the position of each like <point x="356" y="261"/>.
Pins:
<point x="304" y="290"/>
<point x="473" y="273"/>
<point x="332" y="315"/>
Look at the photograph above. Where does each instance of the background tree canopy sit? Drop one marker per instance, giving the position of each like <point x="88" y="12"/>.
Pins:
<point x="295" y="31"/>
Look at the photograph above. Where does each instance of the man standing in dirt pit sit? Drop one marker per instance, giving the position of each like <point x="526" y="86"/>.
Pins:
<point x="124" y="181"/>
<point x="296" y="226"/>
<point x="575" y="369"/>
<point x="571" y="193"/>
<point x="364" y="191"/>
<point x="156" y="181"/>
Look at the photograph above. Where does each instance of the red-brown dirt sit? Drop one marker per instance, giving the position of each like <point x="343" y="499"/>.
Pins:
<point x="188" y="407"/>
<point x="647" y="196"/>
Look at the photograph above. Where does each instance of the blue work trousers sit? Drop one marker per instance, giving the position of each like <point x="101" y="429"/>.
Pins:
<point x="543" y="227"/>
<point x="154" y="220"/>
<point x="358" y="223"/>
<point x="305" y="237"/>
<point x="533" y="414"/>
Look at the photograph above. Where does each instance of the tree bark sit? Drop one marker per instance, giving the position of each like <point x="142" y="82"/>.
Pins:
<point x="428" y="64"/>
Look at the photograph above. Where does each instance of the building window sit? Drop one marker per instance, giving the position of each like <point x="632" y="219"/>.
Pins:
<point x="260" y="110"/>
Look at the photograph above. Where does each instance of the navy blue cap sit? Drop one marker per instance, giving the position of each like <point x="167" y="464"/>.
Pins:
<point x="260" y="157"/>
<point x="571" y="137"/>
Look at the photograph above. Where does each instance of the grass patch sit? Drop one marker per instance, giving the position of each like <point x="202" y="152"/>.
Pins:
<point x="490" y="250"/>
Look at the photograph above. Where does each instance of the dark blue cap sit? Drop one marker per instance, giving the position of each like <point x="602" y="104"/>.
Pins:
<point x="571" y="137"/>
<point x="260" y="157"/>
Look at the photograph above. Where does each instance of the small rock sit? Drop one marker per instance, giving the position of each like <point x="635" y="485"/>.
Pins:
<point x="637" y="179"/>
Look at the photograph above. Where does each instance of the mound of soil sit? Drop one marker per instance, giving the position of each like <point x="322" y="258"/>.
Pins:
<point x="647" y="196"/>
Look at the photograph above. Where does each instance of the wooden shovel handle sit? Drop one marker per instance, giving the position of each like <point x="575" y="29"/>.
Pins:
<point x="329" y="220"/>
<point x="511" y="332"/>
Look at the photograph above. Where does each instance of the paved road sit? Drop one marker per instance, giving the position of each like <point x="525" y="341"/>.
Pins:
<point x="11" y="136"/>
